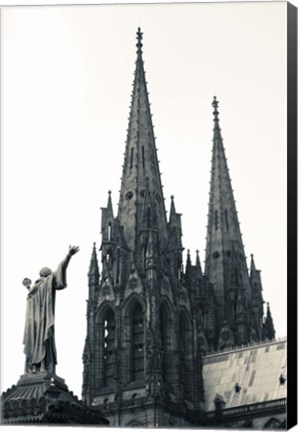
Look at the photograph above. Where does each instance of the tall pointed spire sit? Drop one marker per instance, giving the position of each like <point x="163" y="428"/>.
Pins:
<point x="223" y="233"/>
<point x="140" y="164"/>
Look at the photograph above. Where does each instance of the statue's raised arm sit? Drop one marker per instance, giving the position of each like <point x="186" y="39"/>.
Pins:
<point x="39" y="337"/>
<point x="59" y="280"/>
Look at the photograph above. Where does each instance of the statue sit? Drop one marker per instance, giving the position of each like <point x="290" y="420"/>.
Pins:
<point x="226" y="337"/>
<point x="39" y="337"/>
<point x="202" y="341"/>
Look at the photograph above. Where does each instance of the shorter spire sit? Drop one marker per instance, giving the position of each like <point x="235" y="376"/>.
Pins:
<point x="188" y="269"/>
<point x="110" y="206"/>
<point x="269" y="326"/>
<point x="198" y="262"/>
<point x="93" y="269"/>
<point x="172" y="209"/>
<point x="252" y="264"/>
<point x="188" y="260"/>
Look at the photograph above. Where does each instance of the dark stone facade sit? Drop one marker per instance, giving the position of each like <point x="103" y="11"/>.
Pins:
<point x="43" y="398"/>
<point x="149" y="318"/>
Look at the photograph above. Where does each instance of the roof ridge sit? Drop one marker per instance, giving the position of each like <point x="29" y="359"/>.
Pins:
<point x="245" y="347"/>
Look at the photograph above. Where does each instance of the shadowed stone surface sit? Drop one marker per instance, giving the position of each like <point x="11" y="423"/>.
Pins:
<point x="44" y="398"/>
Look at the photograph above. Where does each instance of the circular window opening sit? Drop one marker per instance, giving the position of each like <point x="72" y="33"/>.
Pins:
<point x="215" y="254"/>
<point x="129" y="195"/>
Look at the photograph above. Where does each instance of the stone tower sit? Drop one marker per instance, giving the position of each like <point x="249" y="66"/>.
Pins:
<point x="142" y="359"/>
<point x="238" y="294"/>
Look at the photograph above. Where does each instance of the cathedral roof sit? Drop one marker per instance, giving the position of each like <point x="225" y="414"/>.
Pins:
<point x="246" y="376"/>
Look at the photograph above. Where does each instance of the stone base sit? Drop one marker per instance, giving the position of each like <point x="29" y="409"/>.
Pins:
<point x="44" y="397"/>
<point x="33" y="379"/>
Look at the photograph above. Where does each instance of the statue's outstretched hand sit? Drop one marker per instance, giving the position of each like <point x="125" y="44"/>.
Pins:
<point x="73" y="250"/>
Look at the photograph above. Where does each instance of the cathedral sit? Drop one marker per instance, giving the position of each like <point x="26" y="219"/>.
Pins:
<point x="156" y="326"/>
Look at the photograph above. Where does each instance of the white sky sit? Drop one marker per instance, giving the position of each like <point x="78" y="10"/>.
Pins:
<point x="67" y="76"/>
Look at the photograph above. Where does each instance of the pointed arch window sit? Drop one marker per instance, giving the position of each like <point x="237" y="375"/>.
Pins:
<point x="109" y="231"/>
<point x="137" y="333"/>
<point x="109" y="348"/>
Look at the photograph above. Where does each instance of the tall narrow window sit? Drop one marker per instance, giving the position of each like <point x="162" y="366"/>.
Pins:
<point x="166" y="343"/>
<point x="143" y="156"/>
<point x="137" y="343"/>
<point x="131" y="158"/>
<point x="236" y="276"/>
<point x="216" y="220"/>
<point x="182" y="352"/>
<point x="109" y="349"/>
<point x="109" y="232"/>
<point x="226" y="218"/>
<point x="185" y="364"/>
<point x="118" y="267"/>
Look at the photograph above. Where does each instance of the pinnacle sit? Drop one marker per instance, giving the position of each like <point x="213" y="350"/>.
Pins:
<point x="93" y="270"/>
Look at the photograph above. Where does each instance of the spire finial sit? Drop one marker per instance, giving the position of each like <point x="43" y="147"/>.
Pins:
<point x="215" y="106"/>
<point x="139" y="39"/>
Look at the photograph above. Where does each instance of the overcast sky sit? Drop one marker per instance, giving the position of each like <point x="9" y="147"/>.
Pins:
<point x="67" y="76"/>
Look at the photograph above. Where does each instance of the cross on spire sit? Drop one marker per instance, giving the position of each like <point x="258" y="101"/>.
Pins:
<point x="139" y="39"/>
<point x="215" y="106"/>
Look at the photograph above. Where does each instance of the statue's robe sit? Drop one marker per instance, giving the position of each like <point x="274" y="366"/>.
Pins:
<point x="39" y="336"/>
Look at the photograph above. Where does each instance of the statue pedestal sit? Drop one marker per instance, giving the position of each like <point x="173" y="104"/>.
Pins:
<point x="44" y="398"/>
<point x="41" y="378"/>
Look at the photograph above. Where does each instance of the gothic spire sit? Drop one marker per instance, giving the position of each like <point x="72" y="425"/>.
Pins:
<point x="109" y="206"/>
<point x="198" y="262"/>
<point x="269" y="326"/>
<point x="140" y="163"/>
<point x="172" y="209"/>
<point x="93" y="277"/>
<point x="252" y="265"/>
<point x="223" y="231"/>
<point x="255" y="281"/>
<point x="256" y="298"/>
<point x="93" y="269"/>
